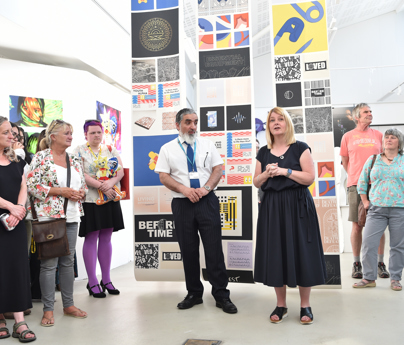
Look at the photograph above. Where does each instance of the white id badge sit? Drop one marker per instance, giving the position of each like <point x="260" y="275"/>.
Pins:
<point x="194" y="175"/>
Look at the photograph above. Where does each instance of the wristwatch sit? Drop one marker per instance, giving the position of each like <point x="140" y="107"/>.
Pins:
<point x="289" y="172"/>
<point x="207" y="188"/>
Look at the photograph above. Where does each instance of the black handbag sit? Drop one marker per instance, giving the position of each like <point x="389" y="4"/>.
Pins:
<point x="362" y="212"/>
<point x="50" y="235"/>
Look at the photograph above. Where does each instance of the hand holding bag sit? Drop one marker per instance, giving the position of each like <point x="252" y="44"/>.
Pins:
<point x="50" y="236"/>
<point x="362" y="212"/>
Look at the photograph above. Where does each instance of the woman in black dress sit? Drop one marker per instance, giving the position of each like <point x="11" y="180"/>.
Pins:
<point x="288" y="249"/>
<point x="15" y="293"/>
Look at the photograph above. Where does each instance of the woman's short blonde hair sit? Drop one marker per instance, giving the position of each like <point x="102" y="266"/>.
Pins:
<point x="55" y="127"/>
<point x="290" y="130"/>
<point x="8" y="151"/>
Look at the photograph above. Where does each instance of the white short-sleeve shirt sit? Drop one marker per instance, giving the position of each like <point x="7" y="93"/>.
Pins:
<point x="173" y="160"/>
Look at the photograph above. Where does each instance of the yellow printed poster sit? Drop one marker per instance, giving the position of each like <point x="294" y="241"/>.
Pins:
<point x="300" y="28"/>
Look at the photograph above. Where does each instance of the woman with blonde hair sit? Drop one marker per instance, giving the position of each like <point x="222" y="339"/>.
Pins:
<point x="289" y="251"/>
<point x="15" y="292"/>
<point x="47" y="185"/>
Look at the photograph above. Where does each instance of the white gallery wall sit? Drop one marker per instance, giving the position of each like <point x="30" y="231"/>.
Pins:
<point x="91" y="39"/>
<point x="79" y="92"/>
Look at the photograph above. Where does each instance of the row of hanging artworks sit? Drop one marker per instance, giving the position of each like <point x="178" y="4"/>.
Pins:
<point x="157" y="95"/>
<point x="226" y="116"/>
<point x="301" y="75"/>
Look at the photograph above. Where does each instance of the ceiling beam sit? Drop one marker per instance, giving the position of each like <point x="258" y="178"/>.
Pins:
<point x="400" y="7"/>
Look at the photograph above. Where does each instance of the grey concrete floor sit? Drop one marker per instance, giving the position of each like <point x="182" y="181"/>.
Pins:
<point x="146" y="313"/>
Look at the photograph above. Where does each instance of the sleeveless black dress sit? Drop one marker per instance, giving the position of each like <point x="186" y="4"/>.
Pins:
<point x="288" y="249"/>
<point x="15" y="290"/>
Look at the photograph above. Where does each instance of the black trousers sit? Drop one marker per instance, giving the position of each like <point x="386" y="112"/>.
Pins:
<point x="203" y="216"/>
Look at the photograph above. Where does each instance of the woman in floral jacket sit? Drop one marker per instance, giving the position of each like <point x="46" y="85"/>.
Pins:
<point x="385" y="207"/>
<point x="47" y="180"/>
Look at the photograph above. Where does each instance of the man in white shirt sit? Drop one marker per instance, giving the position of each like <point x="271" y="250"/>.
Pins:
<point x="191" y="168"/>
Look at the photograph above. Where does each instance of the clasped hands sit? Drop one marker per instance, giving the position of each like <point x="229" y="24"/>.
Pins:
<point x="17" y="213"/>
<point x="272" y="170"/>
<point x="106" y="188"/>
<point x="195" y="194"/>
<point x="72" y="194"/>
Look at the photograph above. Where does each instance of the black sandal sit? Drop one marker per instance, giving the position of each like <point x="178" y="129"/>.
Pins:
<point x="306" y="312"/>
<point x="280" y="312"/>
<point x="4" y="329"/>
<point x="22" y="337"/>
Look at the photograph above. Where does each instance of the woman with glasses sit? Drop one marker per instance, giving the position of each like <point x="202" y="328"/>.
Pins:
<point x="15" y="292"/>
<point x="99" y="220"/>
<point x="47" y="185"/>
<point x="385" y="206"/>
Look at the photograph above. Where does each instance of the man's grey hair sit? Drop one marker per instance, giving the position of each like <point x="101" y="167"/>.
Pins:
<point x="357" y="110"/>
<point x="399" y="135"/>
<point x="182" y="113"/>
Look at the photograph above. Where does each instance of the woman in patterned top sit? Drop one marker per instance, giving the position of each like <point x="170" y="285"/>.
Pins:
<point x="47" y="185"/>
<point x="102" y="215"/>
<point x="385" y="207"/>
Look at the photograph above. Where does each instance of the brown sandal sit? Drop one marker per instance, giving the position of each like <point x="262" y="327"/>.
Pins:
<point x="394" y="285"/>
<point x="363" y="284"/>
<point x="4" y="329"/>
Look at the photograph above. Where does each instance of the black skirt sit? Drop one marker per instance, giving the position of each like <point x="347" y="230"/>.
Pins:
<point x="98" y="217"/>
<point x="289" y="249"/>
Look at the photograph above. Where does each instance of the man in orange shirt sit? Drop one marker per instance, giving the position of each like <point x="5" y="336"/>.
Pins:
<point x="356" y="147"/>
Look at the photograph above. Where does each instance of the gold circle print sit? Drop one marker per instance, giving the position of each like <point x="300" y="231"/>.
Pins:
<point x="156" y="34"/>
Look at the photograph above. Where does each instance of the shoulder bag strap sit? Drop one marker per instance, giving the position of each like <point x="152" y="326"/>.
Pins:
<point x="371" y="167"/>
<point x="33" y="211"/>
<point x="68" y="180"/>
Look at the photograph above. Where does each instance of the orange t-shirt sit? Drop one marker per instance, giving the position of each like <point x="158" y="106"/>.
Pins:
<point x="358" y="146"/>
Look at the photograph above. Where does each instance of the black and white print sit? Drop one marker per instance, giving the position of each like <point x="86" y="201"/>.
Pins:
<point x="318" y="120"/>
<point x="297" y="119"/>
<point x="225" y="63"/>
<point x="287" y="68"/>
<point x="147" y="256"/>
<point x="143" y="71"/>
<point x="317" y="92"/>
<point x="168" y="69"/>
<point x="289" y="95"/>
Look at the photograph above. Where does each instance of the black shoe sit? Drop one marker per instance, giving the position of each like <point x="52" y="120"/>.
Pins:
<point x="100" y="294"/>
<point x="113" y="291"/>
<point x="357" y="270"/>
<point x="189" y="301"/>
<point x="226" y="305"/>
<point x="382" y="270"/>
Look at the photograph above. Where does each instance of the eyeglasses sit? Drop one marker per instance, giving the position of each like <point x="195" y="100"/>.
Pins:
<point x="54" y="123"/>
<point x="87" y="121"/>
<point x="16" y="135"/>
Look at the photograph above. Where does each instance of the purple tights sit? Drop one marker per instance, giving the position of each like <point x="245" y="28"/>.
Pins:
<point x="104" y="255"/>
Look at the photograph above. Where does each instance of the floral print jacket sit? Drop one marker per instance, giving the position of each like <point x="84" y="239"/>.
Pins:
<point x="387" y="182"/>
<point x="41" y="177"/>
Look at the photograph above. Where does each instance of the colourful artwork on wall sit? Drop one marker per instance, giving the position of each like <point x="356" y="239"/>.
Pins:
<point x="223" y="40"/>
<point x="34" y="111"/>
<point x="241" y="38"/>
<point x="325" y="169"/>
<point x="205" y="42"/>
<point x="326" y="188"/>
<point x="144" y="96"/>
<point x="145" y="155"/>
<point x="142" y="5"/>
<point x="300" y="28"/>
<point x="111" y="121"/>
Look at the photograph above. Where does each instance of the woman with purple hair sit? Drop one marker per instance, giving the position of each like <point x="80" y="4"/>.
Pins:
<point x="100" y="220"/>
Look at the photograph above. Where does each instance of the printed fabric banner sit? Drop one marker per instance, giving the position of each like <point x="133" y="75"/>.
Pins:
<point x="156" y="99"/>
<point x="302" y="86"/>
